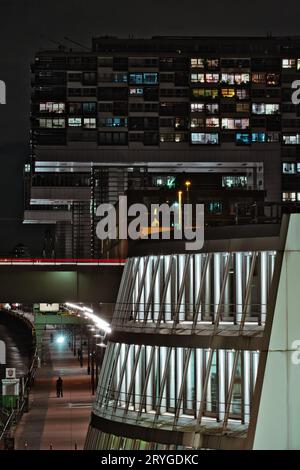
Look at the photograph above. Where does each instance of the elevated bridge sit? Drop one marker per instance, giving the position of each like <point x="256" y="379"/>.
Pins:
<point x="60" y="280"/>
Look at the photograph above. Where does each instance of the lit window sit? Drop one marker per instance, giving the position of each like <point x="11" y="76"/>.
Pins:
<point x="293" y="139"/>
<point x="298" y="64"/>
<point x="113" y="122"/>
<point x="288" y="63"/>
<point x="89" y="123"/>
<point x="52" y="123"/>
<point x="230" y="123"/>
<point x="167" y="181"/>
<point x="234" y="181"/>
<point x="228" y="92"/>
<point x="212" y="77"/>
<point x="242" y="107"/>
<point x="212" y="63"/>
<point x="273" y="79"/>
<point x="180" y="123"/>
<point x="180" y="137"/>
<point x="259" y="78"/>
<point x="146" y="78"/>
<point x="258" y="108"/>
<point x="212" y="122"/>
<point x="288" y="168"/>
<point x="167" y="137"/>
<point x="171" y="137"/>
<point x="242" y="139"/>
<point x="197" y="63"/>
<point x="263" y="108"/>
<point x="136" y="91"/>
<point x="51" y="107"/>
<point x="205" y="92"/>
<point x="241" y="78"/>
<point x="272" y="108"/>
<point x="74" y="122"/>
<point x="227" y="78"/>
<point x="150" y="78"/>
<point x="273" y="136"/>
<point x="197" y="122"/>
<point x="242" y="94"/>
<point x="27" y="167"/>
<point x="258" y="137"/>
<point x="205" y="138"/>
<point x="136" y="78"/>
<point x="197" y="107"/>
<point x="289" y="196"/>
<point x="197" y="77"/>
<point x="212" y="108"/>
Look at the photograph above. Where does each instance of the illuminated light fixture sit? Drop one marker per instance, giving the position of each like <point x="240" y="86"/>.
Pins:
<point x="101" y="345"/>
<point x="187" y="184"/>
<point x="60" y="339"/>
<point x="97" y="335"/>
<point x="76" y="307"/>
<point x="88" y="313"/>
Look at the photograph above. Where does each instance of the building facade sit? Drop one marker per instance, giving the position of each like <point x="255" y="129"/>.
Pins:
<point x="146" y="114"/>
<point x="203" y="352"/>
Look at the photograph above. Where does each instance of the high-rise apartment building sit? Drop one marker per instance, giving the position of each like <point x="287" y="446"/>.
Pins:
<point x="145" y="115"/>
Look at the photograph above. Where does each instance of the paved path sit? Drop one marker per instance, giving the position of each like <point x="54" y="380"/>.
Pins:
<point x="58" y="422"/>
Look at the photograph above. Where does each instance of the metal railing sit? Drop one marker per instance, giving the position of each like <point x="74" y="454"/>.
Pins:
<point x="17" y="413"/>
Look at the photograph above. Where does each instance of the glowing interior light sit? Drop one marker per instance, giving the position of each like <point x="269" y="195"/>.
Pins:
<point x="88" y="313"/>
<point x="60" y="339"/>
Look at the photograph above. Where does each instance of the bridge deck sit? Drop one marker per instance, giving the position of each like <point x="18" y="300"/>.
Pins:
<point x="60" y="422"/>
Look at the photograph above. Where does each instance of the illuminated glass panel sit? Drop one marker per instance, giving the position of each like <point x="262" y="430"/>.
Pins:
<point x="228" y="92"/>
<point x="292" y="139"/>
<point x="288" y="63"/>
<point x="242" y="138"/>
<point x="51" y="107"/>
<point x="205" y="138"/>
<point x="197" y="63"/>
<point x="258" y="137"/>
<point x="231" y="123"/>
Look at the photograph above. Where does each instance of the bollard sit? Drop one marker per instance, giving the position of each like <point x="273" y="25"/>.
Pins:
<point x="51" y="447"/>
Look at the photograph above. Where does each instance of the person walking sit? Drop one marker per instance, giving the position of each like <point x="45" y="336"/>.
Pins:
<point x="59" y="387"/>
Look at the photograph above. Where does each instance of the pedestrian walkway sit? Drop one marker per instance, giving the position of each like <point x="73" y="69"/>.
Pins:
<point x="57" y="423"/>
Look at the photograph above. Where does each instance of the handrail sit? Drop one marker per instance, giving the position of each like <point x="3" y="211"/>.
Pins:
<point x="27" y="385"/>
<point x="62" y="261"/>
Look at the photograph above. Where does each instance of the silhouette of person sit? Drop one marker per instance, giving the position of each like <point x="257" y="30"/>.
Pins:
<point x="59" y="387"/>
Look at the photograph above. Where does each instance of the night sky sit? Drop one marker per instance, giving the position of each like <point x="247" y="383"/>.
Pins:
<point x="27" y="25"/>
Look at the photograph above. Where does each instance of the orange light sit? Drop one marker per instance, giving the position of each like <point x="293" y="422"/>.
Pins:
<point x="188" y="184"/>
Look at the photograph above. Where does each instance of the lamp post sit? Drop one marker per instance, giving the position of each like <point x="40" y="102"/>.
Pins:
<point x="179" y="210"/>
<point x="187" y="185"/>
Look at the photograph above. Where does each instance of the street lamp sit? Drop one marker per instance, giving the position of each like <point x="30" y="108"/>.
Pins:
<point x="187" y="184"/>
<point x="179" y="209"/>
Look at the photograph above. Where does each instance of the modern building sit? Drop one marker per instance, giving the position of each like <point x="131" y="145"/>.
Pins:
<point x="145" y="114"/>
<point x="203" y="352"/>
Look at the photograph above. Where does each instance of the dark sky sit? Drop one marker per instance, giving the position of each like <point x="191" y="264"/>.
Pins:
<point x="25" y="25"/>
